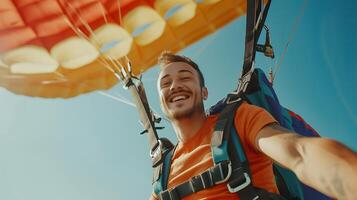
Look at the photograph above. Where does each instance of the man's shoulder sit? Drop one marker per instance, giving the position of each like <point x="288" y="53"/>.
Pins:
<point x="245" y="109"/>
<point x="250" y="119"/>
<point x="248" y="109"/>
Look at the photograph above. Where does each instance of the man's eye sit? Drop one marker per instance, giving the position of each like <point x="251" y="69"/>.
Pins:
<point x="185" y="78"/>
<point x="165" y="84"/>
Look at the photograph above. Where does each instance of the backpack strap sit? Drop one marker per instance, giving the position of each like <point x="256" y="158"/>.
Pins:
<point x="209" y="178"/>
<point x="162" y="171"/>
<point x="240" y="181"/>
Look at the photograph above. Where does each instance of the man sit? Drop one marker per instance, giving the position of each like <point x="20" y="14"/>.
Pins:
<point x="323" y="164"/>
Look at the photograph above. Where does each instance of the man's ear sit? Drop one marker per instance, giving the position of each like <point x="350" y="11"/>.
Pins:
<point x="204" y="93"/>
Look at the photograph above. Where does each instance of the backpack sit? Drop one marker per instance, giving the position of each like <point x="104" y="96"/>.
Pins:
<point x="230" y="163"/>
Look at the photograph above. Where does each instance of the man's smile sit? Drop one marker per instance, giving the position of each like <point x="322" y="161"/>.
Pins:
<point x="178" y="97"/>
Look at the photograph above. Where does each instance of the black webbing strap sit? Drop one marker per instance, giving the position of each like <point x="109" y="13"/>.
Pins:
<point x="252" y="6"/>
<point x="254" y="26"/>
<point x="262" y="17"/>
<point x="282" y="186"/>
<point x="240" y="181"/>
<point x="211" y="177"/>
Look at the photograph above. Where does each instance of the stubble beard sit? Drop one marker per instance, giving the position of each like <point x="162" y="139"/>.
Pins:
<point x="186" y="113"/>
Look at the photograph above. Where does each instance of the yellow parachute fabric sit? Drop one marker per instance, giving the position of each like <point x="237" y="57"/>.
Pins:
<point x="63" y="48"/>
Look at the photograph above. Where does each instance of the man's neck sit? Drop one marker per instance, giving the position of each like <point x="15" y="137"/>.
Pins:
<point x="187" y="128"/>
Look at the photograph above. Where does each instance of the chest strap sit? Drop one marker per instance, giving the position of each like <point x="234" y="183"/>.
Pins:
<point x="217" y="174"/>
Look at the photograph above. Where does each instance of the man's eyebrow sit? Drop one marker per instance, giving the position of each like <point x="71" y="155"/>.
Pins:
<point x="185" y="70"/>
<point x="164" y="77"/>
<point x="181" y="71"/>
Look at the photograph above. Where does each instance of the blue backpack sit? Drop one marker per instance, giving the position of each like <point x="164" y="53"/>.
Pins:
<point x="230" y="163"/>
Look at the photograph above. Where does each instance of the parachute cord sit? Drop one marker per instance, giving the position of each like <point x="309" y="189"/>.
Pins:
<point x="104" y="62"/>
<point x="119" y="10"/>
<point x="102" y="59"/>
<point x="121" y="24"/>
<point x="76" y="29"/>
<point x="103" y="12"/>
<point x="117" y="98"/>
<point x="127" y="102"/>
<point x="72" y="11"/>
<point x="81" y="19"/>
<point x="60" y="76"/>
<point x="291" y="36"/>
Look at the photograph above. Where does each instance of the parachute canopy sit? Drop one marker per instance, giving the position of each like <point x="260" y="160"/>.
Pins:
<point x="62" y="48"/>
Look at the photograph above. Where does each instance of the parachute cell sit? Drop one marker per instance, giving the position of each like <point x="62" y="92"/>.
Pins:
<point x="63" y="48"/>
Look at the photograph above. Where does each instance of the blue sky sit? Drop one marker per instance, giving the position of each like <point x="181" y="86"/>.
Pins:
<point x="89" y="147"/>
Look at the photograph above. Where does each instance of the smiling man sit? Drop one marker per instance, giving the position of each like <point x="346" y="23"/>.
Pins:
<point x="323" y="164"/>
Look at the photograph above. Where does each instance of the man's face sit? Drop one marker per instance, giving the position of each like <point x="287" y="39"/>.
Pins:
<point x="180" y="92"/>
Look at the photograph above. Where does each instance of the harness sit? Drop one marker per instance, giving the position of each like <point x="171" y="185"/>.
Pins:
<point x="230" y="164"/>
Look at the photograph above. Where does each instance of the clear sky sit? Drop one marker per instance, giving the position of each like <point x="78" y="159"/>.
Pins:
<point x="89" y="147"/>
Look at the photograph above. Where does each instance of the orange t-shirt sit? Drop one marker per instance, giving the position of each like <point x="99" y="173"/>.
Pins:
<point x="194" y="157"/>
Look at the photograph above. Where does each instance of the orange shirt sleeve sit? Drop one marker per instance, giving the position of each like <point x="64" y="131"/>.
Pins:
<point x="249" y="120"/>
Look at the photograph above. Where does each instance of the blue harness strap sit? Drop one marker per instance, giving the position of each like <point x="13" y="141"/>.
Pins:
<point x="226" y="146"/>
<point x="161" y="184"/>
<point x="162" y="171"/>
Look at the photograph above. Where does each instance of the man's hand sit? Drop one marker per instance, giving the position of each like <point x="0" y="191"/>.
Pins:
<point x="321" y="163"/>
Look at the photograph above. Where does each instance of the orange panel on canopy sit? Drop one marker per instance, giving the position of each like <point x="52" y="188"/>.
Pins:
<point x="63" y="48"/>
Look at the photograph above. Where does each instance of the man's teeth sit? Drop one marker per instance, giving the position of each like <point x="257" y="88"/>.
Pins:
<point x="178" y="98"/>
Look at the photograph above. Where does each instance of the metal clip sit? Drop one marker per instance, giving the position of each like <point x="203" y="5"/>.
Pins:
<point x="224" y="179"/>
<point x="241" y="186"/>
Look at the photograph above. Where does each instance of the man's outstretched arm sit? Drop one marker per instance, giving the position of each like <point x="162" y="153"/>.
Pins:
<point x="321" y="163"/>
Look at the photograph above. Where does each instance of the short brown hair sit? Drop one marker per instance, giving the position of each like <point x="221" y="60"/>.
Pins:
<point x="168" y="57"/>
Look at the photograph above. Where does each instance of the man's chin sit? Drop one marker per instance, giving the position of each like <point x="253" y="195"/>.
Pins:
<point x="181" y="114"/>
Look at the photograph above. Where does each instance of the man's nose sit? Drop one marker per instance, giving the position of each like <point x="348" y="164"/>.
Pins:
<point x="175" y="85"/>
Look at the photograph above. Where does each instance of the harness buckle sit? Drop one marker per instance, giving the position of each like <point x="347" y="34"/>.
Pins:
<point x="156" y="154"/>
<point x="234" y="189"/>
<point x="225" y="179"/>
<point x="245" y="79"/>
<point x="232" y="100"/>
